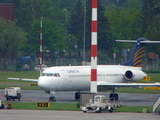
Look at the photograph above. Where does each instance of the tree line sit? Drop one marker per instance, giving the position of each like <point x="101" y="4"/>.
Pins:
<point x="67" y="24"/>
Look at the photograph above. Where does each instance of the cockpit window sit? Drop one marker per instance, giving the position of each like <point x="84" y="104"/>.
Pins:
<point x="49" y="74"/>
<point x="43" y="74"/>
<point x="56" y="75"/>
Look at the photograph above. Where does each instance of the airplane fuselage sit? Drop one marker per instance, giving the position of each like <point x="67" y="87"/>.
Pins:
<point x="77" y="78"/>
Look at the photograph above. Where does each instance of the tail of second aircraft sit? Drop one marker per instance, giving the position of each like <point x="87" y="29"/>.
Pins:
<point x="138" y="52"/>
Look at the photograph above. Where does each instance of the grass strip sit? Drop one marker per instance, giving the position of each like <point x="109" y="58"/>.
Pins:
<point x="72" y="107"/>
<point x="136" y="109"/>
<point x="53" y="106"/>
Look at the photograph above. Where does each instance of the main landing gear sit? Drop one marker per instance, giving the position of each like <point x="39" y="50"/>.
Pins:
<point x="113" y="96"/>
<point x="77" y="95"/>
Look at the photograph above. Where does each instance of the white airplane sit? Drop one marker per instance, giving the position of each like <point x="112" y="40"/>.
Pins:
<point x="109" y="77"/>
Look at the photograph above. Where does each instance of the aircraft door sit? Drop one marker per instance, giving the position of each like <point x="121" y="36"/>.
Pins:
<point x="65" y="75"/>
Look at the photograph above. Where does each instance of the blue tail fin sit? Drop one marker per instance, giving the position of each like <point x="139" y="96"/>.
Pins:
<point x="138" y="52"/>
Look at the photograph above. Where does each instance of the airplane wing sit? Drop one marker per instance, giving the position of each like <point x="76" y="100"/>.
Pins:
<point x="24" y="79"/>
<point x="106" y="84"/>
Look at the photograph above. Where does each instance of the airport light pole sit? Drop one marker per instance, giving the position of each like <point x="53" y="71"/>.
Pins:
<point x="93" y="85"/>
<point x="66" y="17"/>
<point x="30" y="47"/>
<point x="40" y="55"/>
<point x="84" y="33"/>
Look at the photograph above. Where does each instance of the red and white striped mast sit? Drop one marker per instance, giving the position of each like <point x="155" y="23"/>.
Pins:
<point x="40" y="54"/>
<point x="93" y="86"/>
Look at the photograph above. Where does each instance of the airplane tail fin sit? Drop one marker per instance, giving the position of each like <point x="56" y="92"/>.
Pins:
<point x="138" y="52"/>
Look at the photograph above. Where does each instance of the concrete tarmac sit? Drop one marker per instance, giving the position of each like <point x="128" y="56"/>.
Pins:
<point x="129" y="99"/>
<point x="72" y="115"/>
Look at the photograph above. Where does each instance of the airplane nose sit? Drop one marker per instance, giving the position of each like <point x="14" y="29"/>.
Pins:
<point x="42" y="83"/>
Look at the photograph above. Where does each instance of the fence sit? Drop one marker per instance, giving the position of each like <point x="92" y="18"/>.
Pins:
<point x="19" y="65"/>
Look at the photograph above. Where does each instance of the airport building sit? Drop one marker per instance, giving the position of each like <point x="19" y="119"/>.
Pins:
<point x="7" y="11"/>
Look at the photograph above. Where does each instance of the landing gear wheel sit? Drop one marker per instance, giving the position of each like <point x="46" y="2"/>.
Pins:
<point x="111" y="110"/>
<point x="77" y="95"/>
<point x="100" y="109"/>
<point x="116" y="96"/>
<point x="52" y="98"/>
<point x="2" y="106"/>
<point x="113" y="96"/>
<point x="84" y="111"/>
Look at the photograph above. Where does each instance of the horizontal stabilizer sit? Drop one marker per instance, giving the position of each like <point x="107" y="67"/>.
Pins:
<point x="149" y="41"/>
<point x="135" y="41"/>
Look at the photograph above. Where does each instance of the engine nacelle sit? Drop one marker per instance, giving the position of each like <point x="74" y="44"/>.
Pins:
<point x="129" y="75"/>
<point x="134" y="75"/>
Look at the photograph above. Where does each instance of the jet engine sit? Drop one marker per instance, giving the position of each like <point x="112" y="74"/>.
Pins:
<point x="129" y="75"/>
<point x="134" y="75"/>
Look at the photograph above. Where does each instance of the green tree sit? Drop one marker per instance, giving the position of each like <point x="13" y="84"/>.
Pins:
<point x="88" y="25"/>
<point x="67" y="4"/>
<point x="104" y="37"/>
<point x="150" y="22"/>
<point x="134" y="4"/>
<point x="76" y="24"/>
<point x="6" y="1"/>
<point x="153" y="33"/>
<point x="52" y="37"/>
<point x="29" y="10"/>
<point x="12" y="39"/>
<point x="150" y="9"/>
<point x="124" y="24"/>
<point x="71" y="44"/>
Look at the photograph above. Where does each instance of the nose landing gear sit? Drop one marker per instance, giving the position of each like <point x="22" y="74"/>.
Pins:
<point x="52" y="99"/>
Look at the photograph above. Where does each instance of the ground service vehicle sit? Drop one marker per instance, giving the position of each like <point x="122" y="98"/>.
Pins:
<point x="98" y="104"/>
<point x="12" y="93"/>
